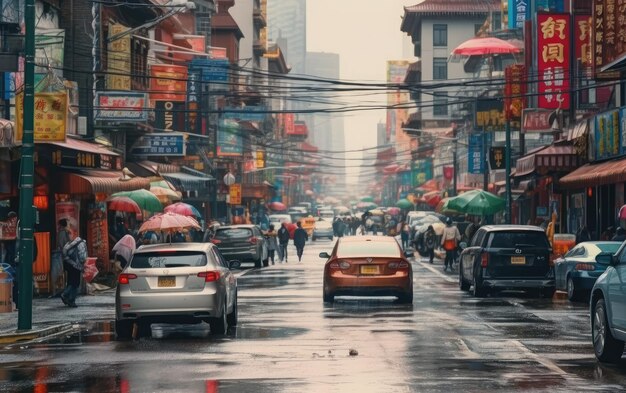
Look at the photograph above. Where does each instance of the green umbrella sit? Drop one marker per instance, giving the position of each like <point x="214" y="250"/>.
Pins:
<point x="144" y="198"/>
<point x="367" y="199"/>
<point x="404" y="204"/>
<point x="477" y="202"/>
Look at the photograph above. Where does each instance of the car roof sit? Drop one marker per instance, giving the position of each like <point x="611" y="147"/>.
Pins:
<point x="357" y="239"/>
<point x="248" y="226"/>
<point x="503" y="228"/>
<point x="175" y="247"/>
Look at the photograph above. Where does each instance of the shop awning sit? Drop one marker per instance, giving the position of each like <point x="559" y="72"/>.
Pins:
<point x="96" y="181"/>
<point x="553" y="158"/>
<point x="592" y="175"/>
<point x="188" y="182"/>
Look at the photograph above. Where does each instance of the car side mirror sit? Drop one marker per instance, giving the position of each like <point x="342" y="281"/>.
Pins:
<point x="324" y="255"/>
<point x="463" y="245"/>
<point x="605" y="258"/>
<point x="234" y="264"/>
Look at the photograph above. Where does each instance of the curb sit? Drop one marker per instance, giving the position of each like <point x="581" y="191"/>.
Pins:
<point x="15" y="336"/>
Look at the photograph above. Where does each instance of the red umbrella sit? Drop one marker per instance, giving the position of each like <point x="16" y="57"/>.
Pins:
<point x="483" y="46"/>
<point x="277" y="206"/>
<point x="622" y="213"/>
<point x="432" y="198"/>
<point x="125" y="204"/>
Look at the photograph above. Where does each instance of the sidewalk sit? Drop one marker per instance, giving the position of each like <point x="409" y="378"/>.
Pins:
<point x="51" y="316"/>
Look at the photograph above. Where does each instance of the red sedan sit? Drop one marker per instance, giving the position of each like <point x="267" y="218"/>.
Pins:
<point x="367" y="266"/>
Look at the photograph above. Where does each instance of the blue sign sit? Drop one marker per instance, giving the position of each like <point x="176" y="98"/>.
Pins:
<point x="248" y="113"/>
<point x="519" y="12"/>
<point x="229" y="139"/>
<point x="608" y="134"/>
<point x="475" y="156"/>
<point x="162" y="144"/>
<point x="213" y="70"/>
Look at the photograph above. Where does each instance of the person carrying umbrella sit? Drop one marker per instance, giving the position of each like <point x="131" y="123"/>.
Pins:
<point x="449" y="240"/>
<point x="124" y="249"/>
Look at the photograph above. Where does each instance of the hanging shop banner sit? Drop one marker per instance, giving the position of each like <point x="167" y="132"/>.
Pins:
<point x="118" y="58"/>
<point x="169" y="116"/>
<point x="213" y="70"/>
<point x="161" y="144"/>
<point x="98" y="232"/>
<point x="553" y="60"/>
<point x="514" y="91"/>
<point x="537" y="120"/>
<point x="229" y="139"/>
<point x="496" y="158"/>
<point x="122" y="106"/>
<point x="193" y="101"/>
<point x="71" y="212"/>
<point x="609" y="34"/>
<point x="248" y="113"/>
<point x="490" y="115"/>
<point x="68" y="157"/>
<point x="168" y="82"/>
<point x="476" y="162"/>
<point x="607" y="134"/>
<point x="519" y="11"/>
<point x="8" y="229"/>
<point x="289" y="122"/>
<point x="235" y="194"/>
<point x="260" y="159"/>
<point x="50" y="116"/>
<point x="582" y="37"/>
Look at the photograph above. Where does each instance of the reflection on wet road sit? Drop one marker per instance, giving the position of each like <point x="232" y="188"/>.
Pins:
<point x="289" y="341"/>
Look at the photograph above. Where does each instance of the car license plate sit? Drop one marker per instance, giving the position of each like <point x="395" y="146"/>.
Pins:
<point x="369" y="269"/>
<point x="518" y="260"/>
<point x="167" y="281"/>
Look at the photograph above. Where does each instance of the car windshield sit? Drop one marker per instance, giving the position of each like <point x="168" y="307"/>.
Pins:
<point x="322" y="224"/>
<point x="163" y="259"/>
<point x="368" y="249"/>
<point x="510" y="239"/>
<point x="233" y="233"/>
<point x="609" y="247"/>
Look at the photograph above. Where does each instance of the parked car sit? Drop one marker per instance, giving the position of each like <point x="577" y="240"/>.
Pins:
<point x="367" y="266"/>
<point x="327" y="214"/>
<point x="180" y="282"/>
<point x="507" y="257"/>
<point x="244" y="243"/>
<point x="577" y="270"/>
<point x="607" y="305"/>
<point x="322" y="228"/>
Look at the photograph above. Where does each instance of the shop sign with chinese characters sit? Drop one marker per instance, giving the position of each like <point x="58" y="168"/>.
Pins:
<point x="582" y="36"/>
<point x="496" y="158"/>
<point x="161" y="144"/>
<point x="121" y="106"/>
<point x="50" y="116"/>
<point x="553" y="60"/>
<point x="514" y="91"/>
<point x="608" y="33"/>
<point x="235" y="194"/>
<point x="168" y="82"/>
<point x="490" y="115"/>
<point x="118" y="58"/>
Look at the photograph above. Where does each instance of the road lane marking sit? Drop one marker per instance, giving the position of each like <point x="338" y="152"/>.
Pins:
<point x="436" y="271"/>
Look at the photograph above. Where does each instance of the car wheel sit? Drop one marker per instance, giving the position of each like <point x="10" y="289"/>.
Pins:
<point x="144" y="329"/>
<point x="328" y="298"/>
<point x="124" y="329"/>
<point x="219" y="325"/>
<point x="606" y="347"/>
<point x="478" y="290"/>
<point x="463" y="285"/>
<point x="406" y="298"/>
<point x="572" y="293"/>
<point x="234" y="314"/>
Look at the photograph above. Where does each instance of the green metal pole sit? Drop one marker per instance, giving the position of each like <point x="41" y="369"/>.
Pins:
<point x="27" y="170"/>
<point x="507" y="161"/>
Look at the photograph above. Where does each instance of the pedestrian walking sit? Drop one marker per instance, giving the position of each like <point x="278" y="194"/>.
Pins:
<point x="272" y="243"/>
<point x="430" y="242"/>
<point x="63" y="234"/>
<point x="405" y="232"/>
<point x="449" y="241"/>
<point x="74" y="256"/>
<point x="300" y="238"/>
<point x="283" y="241"/>
<point x="124" y="249"/>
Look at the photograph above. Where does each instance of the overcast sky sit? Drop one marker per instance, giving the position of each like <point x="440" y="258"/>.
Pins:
<point x="365" y="33"/>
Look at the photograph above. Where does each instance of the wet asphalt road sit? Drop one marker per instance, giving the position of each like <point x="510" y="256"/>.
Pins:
<point x="289" y="341"/>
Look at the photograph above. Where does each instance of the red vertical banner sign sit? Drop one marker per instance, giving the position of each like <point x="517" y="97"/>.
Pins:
<point x="553" y="60"/>
<point x="514" y="91"/>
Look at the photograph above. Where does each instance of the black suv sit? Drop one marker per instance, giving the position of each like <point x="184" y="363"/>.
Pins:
<point x="507" y="257"/>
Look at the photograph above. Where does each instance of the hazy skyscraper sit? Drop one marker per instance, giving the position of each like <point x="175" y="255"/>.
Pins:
<point x="287" y="24"/>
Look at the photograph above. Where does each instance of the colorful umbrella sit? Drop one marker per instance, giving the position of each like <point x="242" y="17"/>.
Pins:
<point x="622" y="213"/>
<point x="309" y="192"/>
<point x="367" y="199"/>
<point x="443" y="208"/>
<point x="404" y="203"/>
<point x="168" y="222"/>
<point x="477" y="202"/>
<point x="277" y="206"/>
<point x="165" y="195"/>
<point x="483" y="46"/>
<point x="184" y="209"/>
<point x="432" y="198"/>
<point x="144" y="198"/>
<point x="124" y="204"/>
<point x="366" y="205"/>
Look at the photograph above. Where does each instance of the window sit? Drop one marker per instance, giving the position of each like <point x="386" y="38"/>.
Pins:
<point x="163" y="259"/>
<point x="478" y="238"/>
<point x="502" y="239"/>
<point x="440" y="35"/>
<point x="362" y="249"/>
<point x="440" y="103"/>
<point x="497" y="21"/>
<point x="440" y="68"/>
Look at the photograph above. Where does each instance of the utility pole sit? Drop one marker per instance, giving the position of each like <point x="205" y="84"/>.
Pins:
<point x="507" y="171"/>
<point x="455" y="165"/>
<point x="27" y="172"/>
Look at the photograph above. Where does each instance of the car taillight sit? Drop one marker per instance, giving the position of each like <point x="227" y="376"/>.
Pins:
<point x="216" y="241"/>
<point x="585" y="266"/>
<point x="209" y="276"/>
<point x="125" y="278"/>
<point x="484" y="259"/>
<point x="398" y="265"/>
<point x="344" y="264"/>
<point x="252" y="240"/>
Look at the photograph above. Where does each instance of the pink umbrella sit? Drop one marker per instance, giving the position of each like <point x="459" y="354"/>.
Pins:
<point x="622" y="213"/>
<point x="125" y="247"/>
<point x="168" y="222"/>
<point x="277" y="206"/>
<point x="483" y="46"/>
<point x="184" y="209"/>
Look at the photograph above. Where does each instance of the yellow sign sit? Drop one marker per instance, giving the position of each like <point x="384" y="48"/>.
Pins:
<point x="260" y="159"/>
<point x="50" y="116"/>
<point x="235" y="194"/>
<point x="118" y="59"/>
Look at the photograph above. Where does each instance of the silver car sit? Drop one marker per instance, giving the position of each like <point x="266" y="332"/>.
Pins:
<point x="178" y="283"/>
